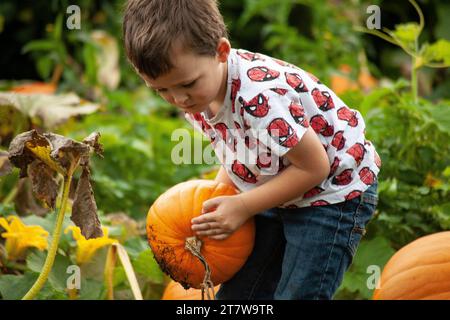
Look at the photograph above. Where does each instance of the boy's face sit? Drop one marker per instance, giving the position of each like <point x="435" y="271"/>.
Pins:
<point x="196" y="81"/>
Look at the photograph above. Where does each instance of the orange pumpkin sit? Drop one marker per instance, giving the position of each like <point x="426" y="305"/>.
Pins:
<point x="418" y="271"/>
<point x="175" y="291"/>
<point x="35" y="87"/>
<point x="170" y="236"/>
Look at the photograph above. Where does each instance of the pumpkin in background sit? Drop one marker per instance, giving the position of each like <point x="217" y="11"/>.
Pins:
<point x="169" y="235"/>
<point x="419" y="270"/>
<point x="175" y="291"/>
<point x="35" y="87"/>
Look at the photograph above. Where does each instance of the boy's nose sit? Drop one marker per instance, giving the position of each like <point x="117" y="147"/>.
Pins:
<point x="180" y="99"/>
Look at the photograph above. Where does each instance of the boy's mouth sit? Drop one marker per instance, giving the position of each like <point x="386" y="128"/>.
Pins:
<point x="189" y="107"/>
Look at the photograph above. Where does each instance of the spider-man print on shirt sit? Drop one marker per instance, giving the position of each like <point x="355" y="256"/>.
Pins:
<point x="321" y="126"/>
<point x="346" y="114"/>
<point x="353" y="194"/>
<point x="226" y="135"/>
<point x="334" y="166"/>
<point x="243" y="172"/>
<point x="322" y="99"/>
<point x="298" y="113"/>
<point x="250" y="56"/>
<point x="377" y="160"/>
<point x="260" y="74"/>
<point x="280" y="91"/>
<point x="367" y="176"/>
<point x="264" y="160"/>
<point x="258" y="106"/>
<point x="313" y="192"/>
<point x="319" y="203"/>
<point x="357" y="152"/>
<point x="344" y="178"/>
<point x="296" y="82"/>
<point x="235" y="87"/>
<point x="338" y="140"/>
<point x="283" y="133"/>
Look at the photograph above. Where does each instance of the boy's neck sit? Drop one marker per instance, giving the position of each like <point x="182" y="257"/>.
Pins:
<point x="215" y="106"/>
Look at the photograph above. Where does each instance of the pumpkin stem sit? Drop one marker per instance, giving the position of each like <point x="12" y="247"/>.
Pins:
<point x="193" y="244"/>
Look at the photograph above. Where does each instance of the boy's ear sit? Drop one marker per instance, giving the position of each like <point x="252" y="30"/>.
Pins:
<point x="223" y="49"/>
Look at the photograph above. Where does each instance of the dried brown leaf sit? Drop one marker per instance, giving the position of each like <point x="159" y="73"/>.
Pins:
<point x="66" y="152"/>
<point x="48" y="110"/>
<point x="58" y="152"/>
<point x="19" y="155"/>
<point x="84" y="208"/>
<point x="45" y="186"/>
<point x="25" y="202"/>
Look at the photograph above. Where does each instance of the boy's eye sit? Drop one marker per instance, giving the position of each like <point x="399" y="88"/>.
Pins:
<point x="190" y="84"/>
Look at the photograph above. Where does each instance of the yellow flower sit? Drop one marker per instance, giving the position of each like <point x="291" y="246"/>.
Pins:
<point x="87" y="248"/>
<point x="20" y="236"/>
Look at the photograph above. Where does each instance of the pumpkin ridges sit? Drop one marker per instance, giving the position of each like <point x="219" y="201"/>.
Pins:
<point x="159" y="206"/>
<point x="403" y="260"/>
<point x="177" y="261"/>
<point x="224" y="260"/>
<point x="433" y="257"/>
<point x="420" y="270"/>
<point x="185" y="200"/>
<point x="395" y="291"/>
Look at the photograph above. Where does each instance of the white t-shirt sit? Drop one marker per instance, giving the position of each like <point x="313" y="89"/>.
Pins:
<point x="268" y="107"/>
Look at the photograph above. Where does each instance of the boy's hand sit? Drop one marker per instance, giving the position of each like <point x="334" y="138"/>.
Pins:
<point x="220" y="217"/>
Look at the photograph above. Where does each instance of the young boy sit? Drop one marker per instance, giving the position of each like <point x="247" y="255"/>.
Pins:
<point x="312" y="189"/>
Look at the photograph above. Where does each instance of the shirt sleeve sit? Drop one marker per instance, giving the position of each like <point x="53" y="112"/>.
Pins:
<point x="279" y="118"/>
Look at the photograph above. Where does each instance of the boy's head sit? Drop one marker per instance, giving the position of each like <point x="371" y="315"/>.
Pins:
<point x="179" y="47"/>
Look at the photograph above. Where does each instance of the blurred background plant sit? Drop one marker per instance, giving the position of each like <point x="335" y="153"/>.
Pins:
<point x="74" y="82"/>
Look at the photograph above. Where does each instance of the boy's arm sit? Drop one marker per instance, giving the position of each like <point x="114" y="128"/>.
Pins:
<point x="309" y="166"/>
<point x="222" y="176"/>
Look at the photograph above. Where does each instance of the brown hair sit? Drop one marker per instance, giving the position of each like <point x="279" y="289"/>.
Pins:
<point x="151" y="27"/>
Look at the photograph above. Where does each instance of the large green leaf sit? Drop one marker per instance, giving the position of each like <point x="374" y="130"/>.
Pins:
<point x="375" y="252"/>
<point x="14" y="287"/>
<point x="58" y="275"/>
<point x="146" y="265"/>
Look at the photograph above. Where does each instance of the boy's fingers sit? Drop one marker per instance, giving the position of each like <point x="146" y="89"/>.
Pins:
<point x="210" y="232"/>
<point x="205" y="226"/>
<point x="210" y="204"/>
<point x="204" y="218"/>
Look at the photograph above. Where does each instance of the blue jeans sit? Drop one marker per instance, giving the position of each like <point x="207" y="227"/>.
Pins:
<point x="302" y="253"/>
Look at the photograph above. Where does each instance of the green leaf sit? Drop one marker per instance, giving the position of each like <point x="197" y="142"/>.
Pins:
<point x="58" y="275"/>
<point x="146" y="265"/>
<point x="39" y="45"/>
<point x="14" y="287"/>
<point x="372" y="99"/>
<point x="91" y="289"/>
<point x="407" y="33"/>
<point x="441" y="114"/>
<point x="44" y="66"/>
<point x="437" y="52"/>
<point x="57" y="30"/>
<point x="374" y="252"/>
<point x="135" y="246"/>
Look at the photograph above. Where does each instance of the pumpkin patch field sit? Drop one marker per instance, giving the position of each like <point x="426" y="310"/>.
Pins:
<point x="100" y="176"/>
